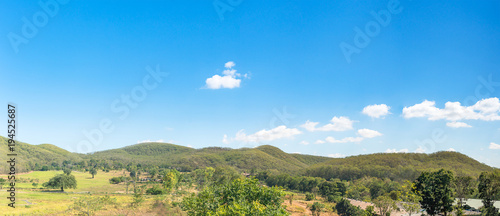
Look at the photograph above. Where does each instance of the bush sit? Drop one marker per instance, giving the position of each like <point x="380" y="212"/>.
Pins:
<point x="117" y="180"/>
<point x="316" y="208"/>
<point x="333" y="198"/>
<point x="155" y="190"/>
<point x="345" y="208"/>
<point x="310" y="196"/>
<point x="238" y="197"/>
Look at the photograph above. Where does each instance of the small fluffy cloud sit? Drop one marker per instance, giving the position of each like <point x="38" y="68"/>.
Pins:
<point x="229" y="80"/>
<point x="397" y="151"/>
<point x="376" y="110"/>
<point x="420" y="149"/>
<point x="367" y="133"/>
<point x="494" y="146"/>
<point x="225" y="140"/>
<point x="337" y="124"/>
<point x="319" y="142"/>
<point x="451" y="150"/>
<point x="363" y="134"/>
<point x="336" y="155"/>
<point x="458" y="125"/>
<point x="344" y="140"/>
<point x="279" y="132"/>
<point x="485" y="109"/>
<point x="229" y="64"/>
<point x="304" y="142"/>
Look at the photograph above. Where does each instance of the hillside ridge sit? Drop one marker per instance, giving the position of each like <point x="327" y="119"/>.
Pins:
<point x="265" y="157"/>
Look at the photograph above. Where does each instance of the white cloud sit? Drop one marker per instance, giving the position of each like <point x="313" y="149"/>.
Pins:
<point x="494" y="146"/>
<point x="229" y="80"/>
<point x="344" y="140"/>
<point x="217" y="82"/>
<point x="486" y="110"/>
<point x="225" y="140"/>
<point x="304" y="142"/>
<point x="451" y="150"/>
<point x="149" y="141"/>
<point x="420" y="150"/>
<point x="396" y="151"/>
<point x="336" y="155"/>
<point x="364" y="134"/>
<point x="267" y="135"/>
<point x="319" y="142"/>
<point x="337" y="124"/>
<point x="367" y="133"/>
<point x="229" y="64"/>
<point x="376" y="110"/>
<point x="458" y="125"/>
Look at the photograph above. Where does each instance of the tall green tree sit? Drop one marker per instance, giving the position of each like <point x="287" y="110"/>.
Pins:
<point x="93" y="172"/>
<point x="67" y="171"/>
<point x="489" y="190"/>
<point x="239" y="197"/>
<point x="316" y="208"/>
<point x="385" y="204"/>
<point x="410" y="201"/>
<point x="345" y="208"/>
<point x="61" y="181"/>
<point x="464" y="186"/>
<point x="170" y="180"/>
<point x="435" y="188"/>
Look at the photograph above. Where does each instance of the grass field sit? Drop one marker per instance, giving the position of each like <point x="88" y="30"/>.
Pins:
<point x="33" y="201"/>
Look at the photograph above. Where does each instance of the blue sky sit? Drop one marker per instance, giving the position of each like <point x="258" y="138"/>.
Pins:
<point x="248" y="73"/>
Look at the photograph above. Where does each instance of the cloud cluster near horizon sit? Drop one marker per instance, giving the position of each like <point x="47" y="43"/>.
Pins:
<point x="484" y="110"/>
<point x="454" y="113"/>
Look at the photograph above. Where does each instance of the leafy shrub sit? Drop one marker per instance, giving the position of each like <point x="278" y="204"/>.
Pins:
<point x="117" y="180"/>
<point x="155" y="190"/>
<point x="316" y="208"/>
<point x="310" y="196"/>
<point x="333" y="198"/>
<point x="239" y="197"/>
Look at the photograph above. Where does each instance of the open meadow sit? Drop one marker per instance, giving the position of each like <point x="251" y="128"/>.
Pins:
<point x="31" y="200"/>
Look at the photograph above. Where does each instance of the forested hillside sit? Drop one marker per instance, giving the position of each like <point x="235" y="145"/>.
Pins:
<point x="187" y="159"/>
<point x="396" y="166"/>
<point x="34" y="157"/>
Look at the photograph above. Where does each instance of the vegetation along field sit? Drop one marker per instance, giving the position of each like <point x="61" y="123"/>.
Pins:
<point x="166" y="179"/>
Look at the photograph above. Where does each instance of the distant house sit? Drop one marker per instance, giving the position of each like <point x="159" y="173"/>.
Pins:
<point x="477" y="203"/>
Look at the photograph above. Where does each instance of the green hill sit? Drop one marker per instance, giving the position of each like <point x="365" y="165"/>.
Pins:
<point x="31" y="156"/>
<point x="396" y="166"/>
<point x="184" y="158"/>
